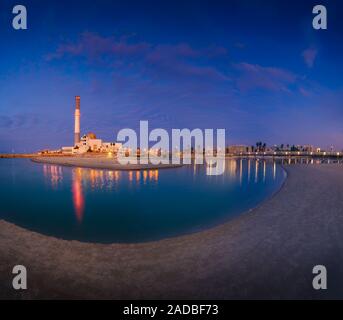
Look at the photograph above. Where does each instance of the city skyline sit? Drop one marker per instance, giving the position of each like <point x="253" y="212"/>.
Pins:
<point x="257" y="69"/>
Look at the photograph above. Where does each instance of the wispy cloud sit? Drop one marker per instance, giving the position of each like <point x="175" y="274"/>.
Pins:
<point x="310" y="56"/>
<point x="254" y="76"/>
<point x="182" y="60"/>
<point x="94" y="46"/>
<point x="162" y="60"/>
<point x="18" y="121"/>
<point x="305" y="92"/>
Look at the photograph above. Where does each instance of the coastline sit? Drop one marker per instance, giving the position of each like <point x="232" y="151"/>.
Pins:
<point x="267" y="252"/>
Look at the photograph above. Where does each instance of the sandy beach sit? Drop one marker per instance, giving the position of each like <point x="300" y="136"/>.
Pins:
<point x="99" y="162"/>
<point x="268" y="252"/>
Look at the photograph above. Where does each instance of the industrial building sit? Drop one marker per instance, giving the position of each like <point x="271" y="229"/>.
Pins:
<point x="88" y="142"/>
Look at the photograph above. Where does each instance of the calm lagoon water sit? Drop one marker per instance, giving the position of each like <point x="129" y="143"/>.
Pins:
<point x="113" y="206"/>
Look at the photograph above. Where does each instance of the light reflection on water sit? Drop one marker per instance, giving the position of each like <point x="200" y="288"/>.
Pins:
<point x="131" y="206"/>
<point x="96" y="179"/>
<point x="308" y="160"/>
<point x="78" y="197"/>
<point x="108" y="179"/>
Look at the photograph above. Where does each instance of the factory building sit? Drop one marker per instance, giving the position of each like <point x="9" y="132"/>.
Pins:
<point x="88" y="142"/>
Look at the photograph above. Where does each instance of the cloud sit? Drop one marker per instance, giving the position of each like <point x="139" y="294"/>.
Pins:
<point x="17" y="121"/>
<point x="161" y="52"/>
<point x="253" y="76"/>
<point x="180" y="69"/>
<point x="161" y="60"/>
<point x="181" y="60"/>
<point x="310" y="56"/>
<point x="305" y="92"/>
<point x="93" y="46"/>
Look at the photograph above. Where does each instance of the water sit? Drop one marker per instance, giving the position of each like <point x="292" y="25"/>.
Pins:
<point x="114" y="206"/>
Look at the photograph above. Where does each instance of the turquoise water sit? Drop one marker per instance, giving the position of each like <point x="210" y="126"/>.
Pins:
<point x="113" y="206"/>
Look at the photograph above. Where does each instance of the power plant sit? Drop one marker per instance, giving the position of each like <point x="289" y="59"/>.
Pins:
<point x="89" y="141"/>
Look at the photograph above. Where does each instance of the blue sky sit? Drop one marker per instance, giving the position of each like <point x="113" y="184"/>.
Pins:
<point x="256" y="68"/>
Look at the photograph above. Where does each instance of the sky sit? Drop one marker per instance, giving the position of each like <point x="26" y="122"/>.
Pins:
<point x="255" y="68"/>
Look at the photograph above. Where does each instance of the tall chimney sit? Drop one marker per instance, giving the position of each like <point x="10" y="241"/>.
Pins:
<point x="77" y="120"/>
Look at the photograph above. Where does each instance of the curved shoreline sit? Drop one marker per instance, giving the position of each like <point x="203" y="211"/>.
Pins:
<point x="100" y="163"/>
<point x="268" y="253"/>
<point x="211" y="224"/>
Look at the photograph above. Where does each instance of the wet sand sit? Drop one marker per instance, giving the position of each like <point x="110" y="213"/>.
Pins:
<point x="99" y="162"/>
<point x="268" y="252"/>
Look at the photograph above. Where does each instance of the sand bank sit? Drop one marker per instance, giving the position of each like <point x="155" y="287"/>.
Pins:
<point x="268" y="252"/>
<point x="96" y="162"/>
<point x="18" y="155"/>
